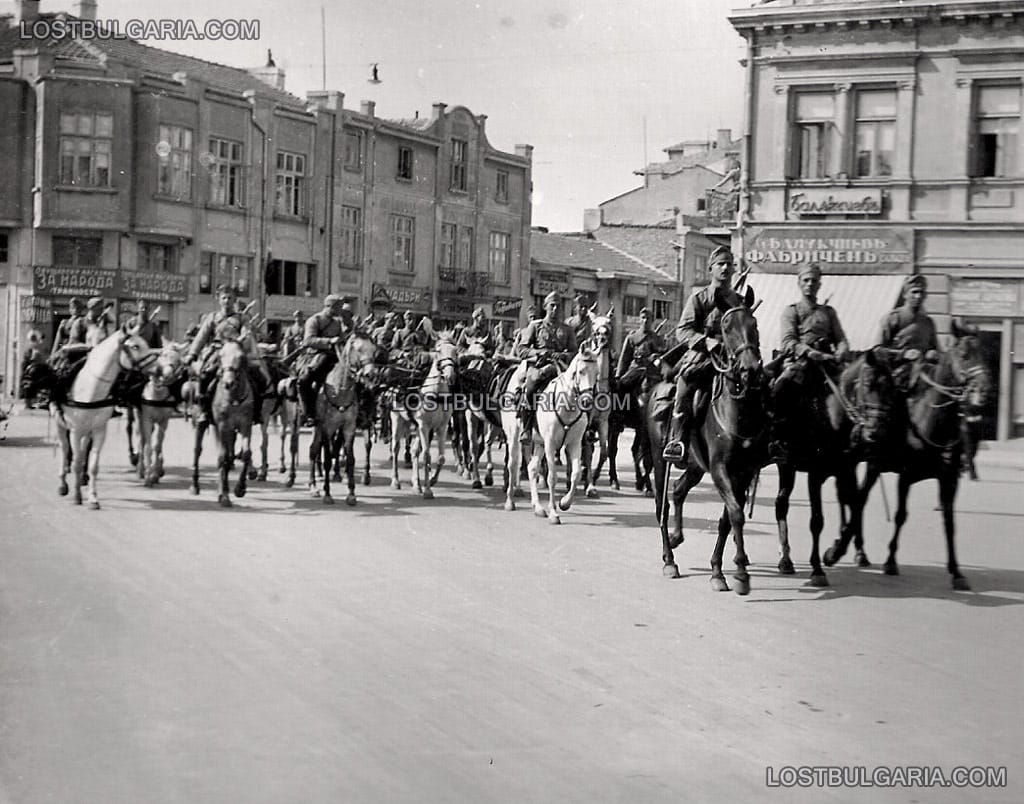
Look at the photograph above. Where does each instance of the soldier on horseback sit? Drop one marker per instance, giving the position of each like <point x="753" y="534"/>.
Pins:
<point x="412" y="340"/>
<point x="148" y="330"/>
<point x="72" y="329"/>
<point x="324" y="332"/>
<point x="75" y="338"/>
<point x="636" y="360"/>
<point x="580" y="321"/>
<point x="700" y="329"/>
<point x="294" y="334"/>
<point x="908" y="326"/>
<point x="385" y="333"/>
<point x="477" y="332"/>
<point x="97" y="323"/>
<point x="541" y="344"/>
<point x="811" y="333"/>
<point x="225" y="324"/>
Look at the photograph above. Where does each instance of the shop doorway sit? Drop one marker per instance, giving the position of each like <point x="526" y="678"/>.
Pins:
<point x="991" y="344"/>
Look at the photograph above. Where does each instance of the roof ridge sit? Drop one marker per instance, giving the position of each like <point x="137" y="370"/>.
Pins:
<point x="637" y="260"/>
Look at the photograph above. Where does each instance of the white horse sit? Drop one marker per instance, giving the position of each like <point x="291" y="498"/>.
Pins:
<point x="155" y="412"/>
<point x="601" y="348"/>
<point x="82" y="418"/>
<point x="562" y="418"/>
<point x="429" y="416"/>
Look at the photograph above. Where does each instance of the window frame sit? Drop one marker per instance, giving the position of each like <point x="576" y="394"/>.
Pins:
<point x="403" y="244"/>
<point x="353" y="156"/>
<point x="406" y="163"/>
<point x="76" y="244"/>
<point x="5" y="248"/>
<point x="449" y="245"/>
<point x="289" y="278"/>
<point x="79" y="145"/>
<point x="290" y="184"/>
<point x="227" y="173"/>
<point x="458" y="176"/>
<point x="499" y="243"/>
<point x="501" y="181"/>
<point x="661" y="309"/>
<point x="1008" y="155"/>
<point x="876" y="124"/>
<point x="823" y="131"/>
<point x="633" y="304"/>
<point x="212" y="265"/>
<point x="174" y="171"/>
<point x="351" y="245"/>
<point x="144" y="257"/>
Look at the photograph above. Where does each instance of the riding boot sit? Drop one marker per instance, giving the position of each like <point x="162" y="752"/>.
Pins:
<point x="778" y="452"/>
<point x="307" y="397"/>
<point x="678" y="446"/>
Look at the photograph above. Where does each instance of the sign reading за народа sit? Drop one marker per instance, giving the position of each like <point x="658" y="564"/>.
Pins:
<point x="108" y="283"/>
<point x="880" y="249"/>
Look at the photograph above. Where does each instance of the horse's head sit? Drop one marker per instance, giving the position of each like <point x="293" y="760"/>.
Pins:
<point x="446" y="357"/>
<point x="874" y="390"/>
<point x="364" y="356"/>
<point x="741" y="342"/>
<point x="168" y="364"/>
<point x="232" y="362"/>
<point x="582" y="373"/>
<point x="135" y="352"/>
<point x="969" y="367"/>
<point x="602" y="332"/>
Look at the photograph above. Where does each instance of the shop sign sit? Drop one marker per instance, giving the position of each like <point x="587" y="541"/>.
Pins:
<point x="507" y="306"/>
<point x="986" y="297"/>
<point x="545" y="282"/>
<point x="454" y="305"/>
<point x="154" y="286"/>
<point x="412" y="298"/>
<point x="54" y="281"/>
<point x="780" y="250"/>
<point x="35" y="310"/>
<point x="836" y="201"/>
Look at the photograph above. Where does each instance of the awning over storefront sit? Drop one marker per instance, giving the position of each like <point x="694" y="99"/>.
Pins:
<point x="860" y="301"/>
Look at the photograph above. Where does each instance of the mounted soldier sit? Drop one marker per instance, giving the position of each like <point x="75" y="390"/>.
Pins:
<point x="325" y="331"/>
<point x="384" y="334"/>
<point x="148" y="329"/>
<point x="294" y="334"/>
<point x="477" y="332"/>
<point x="541" y="344"/>
<point x="215" y="328"/>
<point x="908" y="326"/>
<point x="581" y="322"/>
<point x="412" y="341"/>
<point x="700" y="330"/>
<point x="639" y="349"/>
<point x="75" y="338"/>
<point x="72" y="329"/>
<point x="811" y="333"/>
<point x="98" y="324"/>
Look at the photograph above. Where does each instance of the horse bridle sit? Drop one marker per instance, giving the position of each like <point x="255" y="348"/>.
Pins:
<point x="732" y="358"/>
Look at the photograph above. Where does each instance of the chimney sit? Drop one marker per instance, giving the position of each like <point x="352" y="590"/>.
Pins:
<point x="724" y="138"/>
<point x="367" y="108"/>
<point x="439" y="110"/>
<point x="27" y="11"/>
<point x="327" y="99"/>
<point x="269" y="73"/>
<point x="85" y="9"/>
<point x="592" y="219"/>
<point x="525" y="151"/>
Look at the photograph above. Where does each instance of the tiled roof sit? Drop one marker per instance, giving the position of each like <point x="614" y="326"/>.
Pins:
<point x="650" y="244"/>
<point x="142" y="57"/>
<point x="577" y="251"/>
<point x="418" y="123"/>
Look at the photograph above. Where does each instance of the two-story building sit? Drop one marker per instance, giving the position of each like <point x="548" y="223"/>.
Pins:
<point x="883" y="139"/>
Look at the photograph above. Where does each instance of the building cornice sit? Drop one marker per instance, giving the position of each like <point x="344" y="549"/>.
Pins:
<point x="880" y="14"/>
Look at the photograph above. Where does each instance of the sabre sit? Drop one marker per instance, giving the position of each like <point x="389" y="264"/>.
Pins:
<point x="153" y="314"/>
<point x="753" y="495"/>
<point x="885" y="497"/>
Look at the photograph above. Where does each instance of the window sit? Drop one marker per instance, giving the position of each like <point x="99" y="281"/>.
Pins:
<point x="632" y="305"/>
<point x="501" y="186"/>
<point x="5" y="254"/>
<point x="291" y="178"/>
<point x="875" y="132"/>
<point x="225" y="173"/>
<point x="997" y="125"/>
<point x="499" y="260"/>
<point x="174" y="151"/>
<point x="77" y="252"/>
<point x="466" y="248"/>
<point x="447" y="245"/>
<point x="283" y="277"/>
<point x="404" y="164"/>
<point x="351" y="236"/>
<point x="403" y="236"/>
<point x="224" y="269"/>
<point x="662" y="309"/>
<point x="458" y="176"/>
<point x="813" y="132"/>
<point x="158" y="257"/>
<point x="353" y="150"/>
<point x="85" y="148"/>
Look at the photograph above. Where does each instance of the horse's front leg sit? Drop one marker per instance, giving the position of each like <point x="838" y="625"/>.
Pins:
<point x="159" y="434"/>
<point x="225" y="458"/>
<point x="66" y="457"/>
<point x="948" y="482"/>
<point x="432" y="477"/>
<point x="814" y="483"/>
<point x="314" y="460"/>
<point x="474" y="446"/>
<point x="513" y="460"/>
<point x="572" y="456"/>
<point x="198" y="431"/>
<point x="551" y="454"/>
<point x="787" y="480"/>
<point x="421" y="459"/>
<point x="532" y="474"/>
<point x="140" y="459"/>
<point x="264" y="470"/>
<point x="98" y="439"/>
<point x="129" y="421"/>
<point x="79" y="443"/>
<point x="327" y="459"/>
<point x="733" y="493"/>
<point x="293" y="448"/>
<point x="350" y="462"/>
<point x="397" y="433"/>
<point x="243" y="475"/>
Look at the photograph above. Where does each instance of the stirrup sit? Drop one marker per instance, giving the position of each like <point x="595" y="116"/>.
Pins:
<point x="673" y="451"/>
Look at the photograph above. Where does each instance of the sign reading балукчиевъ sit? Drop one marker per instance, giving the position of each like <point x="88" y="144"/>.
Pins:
<point x="835" y="201"/>
<point x="882" y="249"/>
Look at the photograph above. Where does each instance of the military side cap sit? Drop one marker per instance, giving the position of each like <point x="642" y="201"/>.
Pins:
<point x="915" y="281"/>
<point x="551" y="298"/>
<point x="720" y="254"/>
<point x="225" y="289"/>
<point x="330" y="300"/>
<point x="76" y="303"/>
<point x="644" y="311"/>
<point x="809" y="268"/>
<point x="95" y="301"/>
<point x="297" y="313"/>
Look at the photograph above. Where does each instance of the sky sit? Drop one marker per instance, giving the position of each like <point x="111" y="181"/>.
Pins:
<point x="593" y="85"/>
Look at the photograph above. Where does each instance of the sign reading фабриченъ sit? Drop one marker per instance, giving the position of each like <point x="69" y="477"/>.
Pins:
<point x="836" y="249"/>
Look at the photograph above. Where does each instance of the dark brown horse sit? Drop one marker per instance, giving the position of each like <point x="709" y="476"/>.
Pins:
<point x="930" y="447"/>
<point x="845" y="421"/>
<point x="727" y="442"/>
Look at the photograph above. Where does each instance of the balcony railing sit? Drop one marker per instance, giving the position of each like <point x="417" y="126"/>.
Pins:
<point x="720" y="207"/>
<point x="470" y="283"/>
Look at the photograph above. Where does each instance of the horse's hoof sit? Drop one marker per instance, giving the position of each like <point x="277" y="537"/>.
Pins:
<point x="489" y="480"/>
<point x="240" y="491"/>
<point x="428" y="494"/>
<point x="786" y="566"/>
<point x="134" y="459"/>
<point x="538" y="511"/>
<point x="862" y="559"/>
<point x="314" y="492"/>
<point x="718" y="584"/>
<point x="366" y="480"/>
<point x="289" y="482"/>
<point x="891" y="568"/>
<point x="224" y="500"/>
<point x="328" y="499"/>
<point x="281" y="471"/>
<point x="477" y="484"/>
<point x="149" y="482"/>
<point x="195" y="489"/>
<point x="831" y="556"/>
<point x="252" y="474"/>
<point x="591" y="493"/>
<point x="408" y="464"/>
<point x="615" y="485"/>
<point x="95" y="505"/>
<point x="960" y="584"/>
<point x="742" y="586"/>
<point x="62" y="489"/>
<point x="509" y="505"/>
<point x="670" y="571"/>
<point x="554" y="520"/>
<point x="395" y="484"/>
<point x="262" y="476"/>
<point x="350" y="500"/>
<point x="819" y="580"/>
<point x="649" y="492"/>
<point x="564" y="504"/>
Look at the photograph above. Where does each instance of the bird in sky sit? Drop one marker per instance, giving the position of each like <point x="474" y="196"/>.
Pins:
<point x="374" y="78"/>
